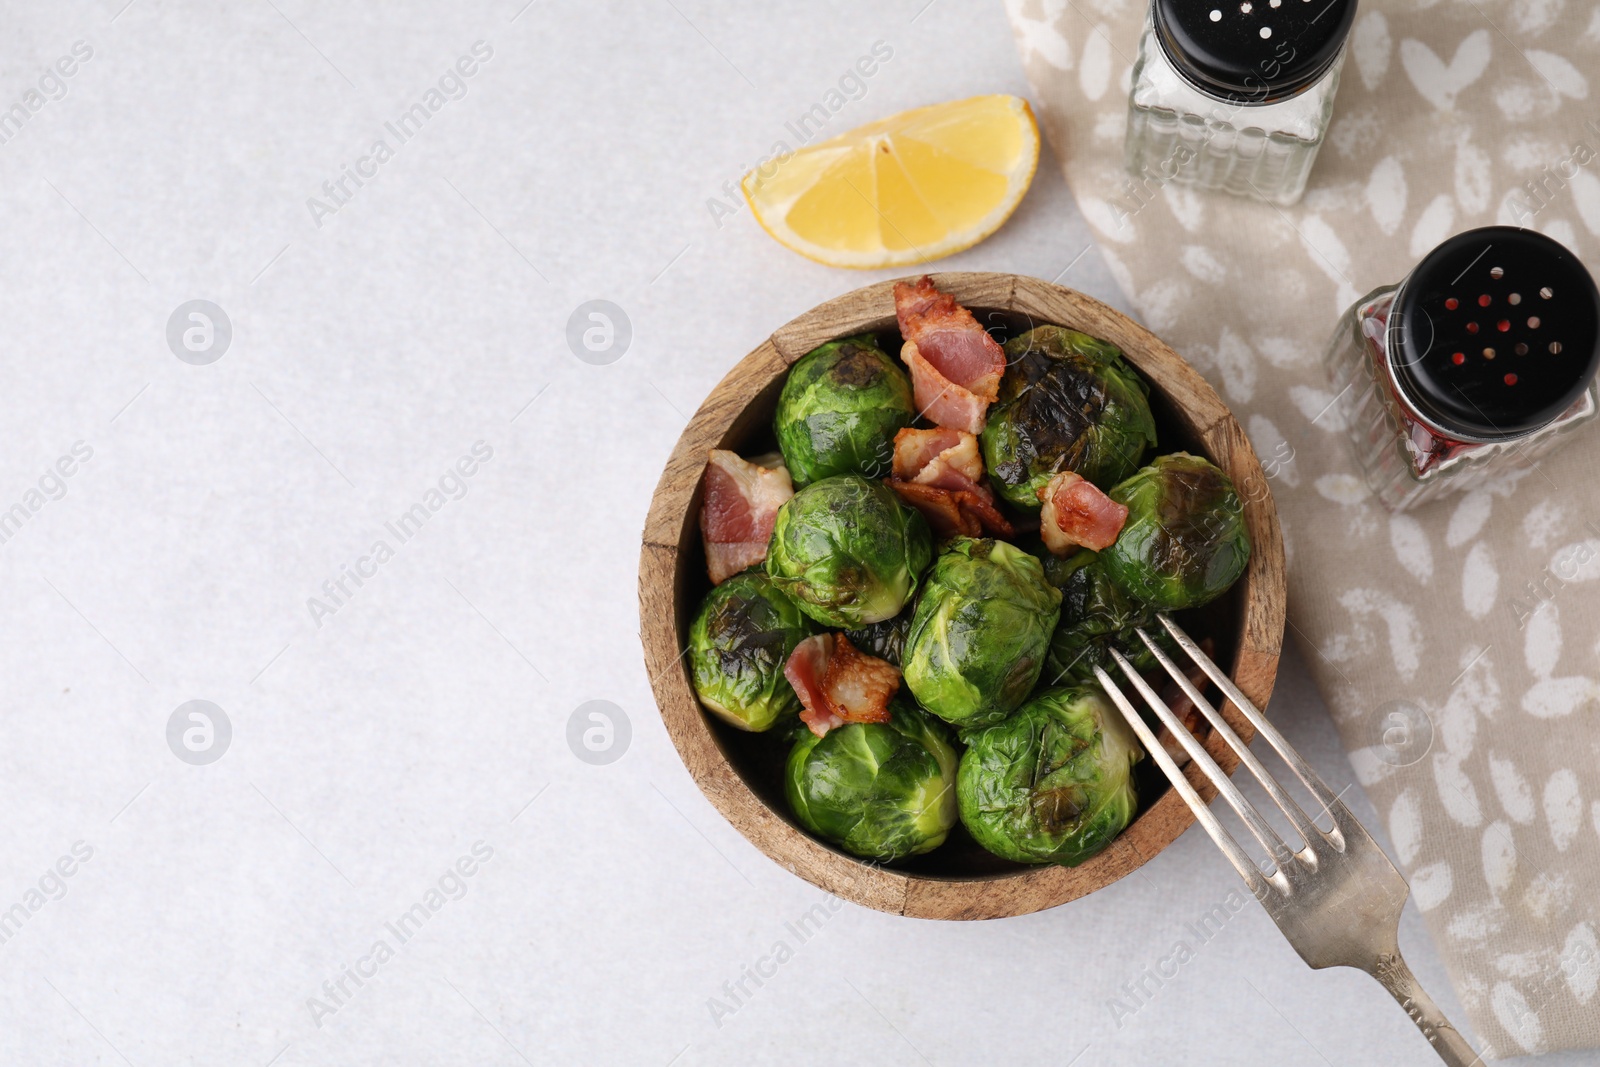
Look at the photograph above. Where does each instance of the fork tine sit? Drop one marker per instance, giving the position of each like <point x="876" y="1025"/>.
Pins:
<point x="1288" y="805"/>
<point x="1202" y="811"/>
<point x="1259" y="828"/>
<point x="1302" y="770"/>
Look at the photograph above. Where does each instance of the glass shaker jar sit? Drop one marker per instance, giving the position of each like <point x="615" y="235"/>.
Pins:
<point x="1478" y="363"/>
<point x="1235" y="95"/>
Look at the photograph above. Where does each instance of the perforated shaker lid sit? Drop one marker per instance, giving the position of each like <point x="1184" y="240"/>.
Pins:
<point x="1495" y="333"/>
<point x="1252" y="51"/>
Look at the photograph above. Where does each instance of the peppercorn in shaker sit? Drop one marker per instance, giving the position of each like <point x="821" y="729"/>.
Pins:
<point x="1235" y="96"/>
<point x="1478" y="363"/>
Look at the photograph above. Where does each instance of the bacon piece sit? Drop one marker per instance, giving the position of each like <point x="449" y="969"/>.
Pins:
<point x="940" y="473"/>
<point x="1076" y="513"/>
<point x="741" y="504"/>
<point x="942" y="457"/>
<point x="838" y="684"/>
<point x="806" y="669"/>
<point x="955" y="365"/>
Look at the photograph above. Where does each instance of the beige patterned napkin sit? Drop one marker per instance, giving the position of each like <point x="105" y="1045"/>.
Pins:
<point x="1479" y="610"/>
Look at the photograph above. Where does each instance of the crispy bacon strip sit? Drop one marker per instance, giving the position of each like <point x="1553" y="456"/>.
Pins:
<point x="940" y="473"/>
<point x="955" y="365"/>
<point x="943" y="457"/>
<point x="952" y="513"/>
<point x="838" y="684"/>
<point x="1076" y="513"/>
<point x="741" y="504"/>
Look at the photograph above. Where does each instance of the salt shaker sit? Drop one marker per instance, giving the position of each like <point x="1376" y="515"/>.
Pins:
<point x="1480" y="362"/>
<point x="1235" y="95"/>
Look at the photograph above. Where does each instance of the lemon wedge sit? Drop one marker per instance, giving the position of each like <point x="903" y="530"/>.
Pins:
<point x="906" y="189"/>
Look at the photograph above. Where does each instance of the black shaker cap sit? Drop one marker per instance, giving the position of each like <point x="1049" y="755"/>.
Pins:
<point x="1495" y="333"/>
<point x="1253" y="51"/>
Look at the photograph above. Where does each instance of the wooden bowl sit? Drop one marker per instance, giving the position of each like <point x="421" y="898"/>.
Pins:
<point x="741" y="773"/>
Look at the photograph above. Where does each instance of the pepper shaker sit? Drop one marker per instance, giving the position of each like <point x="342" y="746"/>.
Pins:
<point x="1480" y="362"/>
<point x="1235" y="95"/>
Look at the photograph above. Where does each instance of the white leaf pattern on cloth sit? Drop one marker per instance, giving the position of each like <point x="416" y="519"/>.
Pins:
<point x="1405" y="827"/>
<point x="1343" y="489"/>
<point x="1541" y="647"/>
<point x="1472" y="176"/>
<point x="1577" y="562"/>
<point x="1203" y="264"/>
<point x="1439" y="84"/>
<point x="1188" y="207"/>
<point x="1318" y="406"/>
<point x="1284" y="351"/>
<point x="1370" y="44"/>
<point x="1386" y="193"/>
<point x="1480" y="581"/>
<point x="1580" y="962"/>
<point x="1555" y="698"/>
<point x="1543" y="523"/>
<point x="1456" y="791"/>
<point x="1331" y="256"/>
<point x="1431" y="885"/>
<point x="1469" y="516"/>
<point x="1516" y="796"/>
<point x="1527" y="99"/>
<point x="1234" y="360"/>
<point x="1410" y="543"/>
<point x="1533" y="17"/>
<point x="1586" y="196"/>
<point x="1563" y="808"/>
<point x="1476" y="694"/>
<point x="1560" y="73"/>
<point x="1518" y="1018"/>
<point x="1559" y="230"/>
<point x="1549" y="894"/>
<point x="1405" y="633"/>
<point x="1038" y="37"/>
<point x="1106" y="221"/>
<point x="1499" y="857"/>
<point x="1435" y="607"/>
<point x="1095" y="72"/>
<point x="1272" y="447"/>
<point x="1433" y="226"/>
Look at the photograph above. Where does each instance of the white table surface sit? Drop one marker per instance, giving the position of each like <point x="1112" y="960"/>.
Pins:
<point x="427" y="711"/>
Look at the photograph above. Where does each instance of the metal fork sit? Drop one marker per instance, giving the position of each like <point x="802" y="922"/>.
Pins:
<point x="1338" y="898"/>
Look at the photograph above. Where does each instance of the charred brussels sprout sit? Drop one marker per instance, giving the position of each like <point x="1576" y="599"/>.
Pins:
<point x="848" y="551"/>
<point x="886" y="639"/>
<point x="738" y="645"/>
<point x="877" y="790"/>
<point x="1184" y="542"/>
<point x="1096" y="615"/>
<point x="980" y="632"/>
<point x="1067" y="403"/>
<point x="1053" y="783"/>
<point x="840" y="409"/>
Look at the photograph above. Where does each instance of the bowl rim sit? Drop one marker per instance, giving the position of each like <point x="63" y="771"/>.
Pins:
<point x="722" y="420"/>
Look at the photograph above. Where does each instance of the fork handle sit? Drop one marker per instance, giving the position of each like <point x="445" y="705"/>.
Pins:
<point x="1392" y="973"/>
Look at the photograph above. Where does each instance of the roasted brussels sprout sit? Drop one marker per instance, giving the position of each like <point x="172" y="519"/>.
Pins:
<point x="1096" y="615"/>
<point x="738" y="645"/>
<point x="979" y="632"/>
<point x="840" y="409"/>
<point x="1067" y="403"/>
<point x="848" y="551"/>
<point x="886" y="639"/>
<point x="1185" y="541"/>
<point x="878" y="790"/>
<point x="1053" y="783"/>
